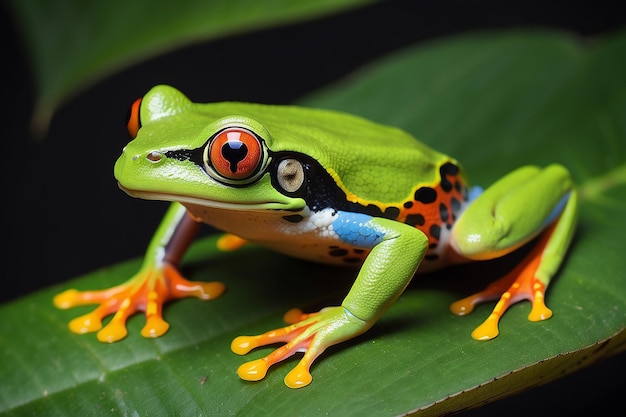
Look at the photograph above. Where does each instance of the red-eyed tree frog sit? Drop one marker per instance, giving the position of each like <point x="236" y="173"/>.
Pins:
<point x="327" y="187"/>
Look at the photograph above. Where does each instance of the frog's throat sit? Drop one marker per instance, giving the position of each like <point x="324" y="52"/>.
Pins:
<point x="229" y="205"/>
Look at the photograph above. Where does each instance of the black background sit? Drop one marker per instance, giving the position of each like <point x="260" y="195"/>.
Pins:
<point x="64" y="215"/>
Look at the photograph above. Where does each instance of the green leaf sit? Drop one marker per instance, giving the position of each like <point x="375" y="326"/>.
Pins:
<point x="74" y="43"/>
<point x="495" y="101"/>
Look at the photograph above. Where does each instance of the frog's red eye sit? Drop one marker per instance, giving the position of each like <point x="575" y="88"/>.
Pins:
<point x="134" y="122"/>
<point x="236" y="155"/>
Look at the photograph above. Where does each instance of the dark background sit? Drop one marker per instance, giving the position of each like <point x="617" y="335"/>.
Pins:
<point x="64" y="215"/>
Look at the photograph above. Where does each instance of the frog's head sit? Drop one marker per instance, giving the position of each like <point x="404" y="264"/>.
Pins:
<point x="204" y="156"/>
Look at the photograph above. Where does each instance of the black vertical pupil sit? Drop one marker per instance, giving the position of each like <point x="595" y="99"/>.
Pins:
<point x="234" y="152"/>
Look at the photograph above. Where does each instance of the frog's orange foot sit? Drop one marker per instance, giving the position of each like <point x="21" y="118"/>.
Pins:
<point x="229" y="242"/>
<point x="309" y="333"/>
<point x="147" y="292"/>
<point x="520" y="284"/>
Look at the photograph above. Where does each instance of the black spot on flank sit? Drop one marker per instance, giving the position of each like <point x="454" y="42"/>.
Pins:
<point x="449" y="169"/>
<point x="408" y="204"/>
<point x="456" y="207"/>
<point x="431" y="257"/>
<point x="432" y="246"/>
<point x="445" y="170"/>
<point x="415" y="220"/>
<point x="359" y="251"/>
<point x="425" y="195"/>
<point x="338" y="252"/>
<point x="435" y="231"/>
<point x="373" y="210"/>
<point x="293" y="218"/>
<point x="458" y="186"/>
<point x="391" y="213"/>
<point x="443" y="212"/>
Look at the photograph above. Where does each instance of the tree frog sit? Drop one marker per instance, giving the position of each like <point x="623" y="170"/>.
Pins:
<point x="327" y="187"/>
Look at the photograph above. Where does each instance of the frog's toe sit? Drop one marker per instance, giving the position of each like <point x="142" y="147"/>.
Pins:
<point x="73" y="298"/>
<point x="464" y="306"/>
<point x="254" y="370"/>
<point x="539" y="310"/>
<point x="296" y="315"/>
<point x="115" y="330"/>
<point x="155" y="327"/>
<point x="241" y="345"/>
<point x="244" y="344"/>
<point x="66" y="299"/>
<point x="90" y="322"/>
<point x="488" y="329"/>
<point x="181" y="287"/>
<point x="299" y="376"/>
<point x="112" y="332"/>
<point x="87" y="323"/>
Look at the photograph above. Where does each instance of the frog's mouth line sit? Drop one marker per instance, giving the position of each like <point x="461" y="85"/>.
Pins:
<point x="183" y="199"/>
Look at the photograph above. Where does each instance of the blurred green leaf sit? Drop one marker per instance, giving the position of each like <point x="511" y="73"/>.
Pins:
<point x="74" y="43"/>
<point x="495" y="101"/>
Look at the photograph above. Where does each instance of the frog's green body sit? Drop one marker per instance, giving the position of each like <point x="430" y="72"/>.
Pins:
<point x="327" y="187"/>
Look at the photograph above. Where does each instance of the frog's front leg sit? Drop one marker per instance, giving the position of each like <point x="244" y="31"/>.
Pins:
<point x="157" y="282"/>
<point x="396" y="251"/>
<point x="526" y="203"/>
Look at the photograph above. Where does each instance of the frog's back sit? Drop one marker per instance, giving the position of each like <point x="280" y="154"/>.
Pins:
<point x="364" y="157"/>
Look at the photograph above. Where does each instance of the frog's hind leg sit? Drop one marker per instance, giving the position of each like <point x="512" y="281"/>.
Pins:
<point x="509" y="214"/>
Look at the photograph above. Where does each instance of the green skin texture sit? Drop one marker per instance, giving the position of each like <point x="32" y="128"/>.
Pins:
<point x="505" y="216"/>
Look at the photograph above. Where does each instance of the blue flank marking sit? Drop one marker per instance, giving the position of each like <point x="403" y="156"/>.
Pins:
<point x="556" y="211"/>
<point x="356" y="229"/>
<point x="473" y="193"/>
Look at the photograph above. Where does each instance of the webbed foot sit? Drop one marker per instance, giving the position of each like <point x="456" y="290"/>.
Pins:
<point x="308" y="333"/>
<point x="147" y="291"/>
<point x="520" y="284"/>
